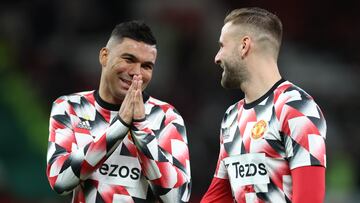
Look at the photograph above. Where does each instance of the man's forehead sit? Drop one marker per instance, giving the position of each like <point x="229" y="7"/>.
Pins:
<point x="228" y="28"/>
<point x="133" y="44"/>
<point x="223" y="34"/>
<point x="140" y="50"/>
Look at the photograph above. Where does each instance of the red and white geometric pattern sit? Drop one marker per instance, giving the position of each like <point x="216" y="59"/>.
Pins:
<point x="285" y="125"/>
<point x="95" y="155"/>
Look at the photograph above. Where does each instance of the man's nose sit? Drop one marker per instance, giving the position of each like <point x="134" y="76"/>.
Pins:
<point x="135" y="69"/>
<point x="217" y="58"/>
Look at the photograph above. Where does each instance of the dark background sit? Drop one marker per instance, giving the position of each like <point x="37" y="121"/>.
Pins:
<point x="50" y="48"/>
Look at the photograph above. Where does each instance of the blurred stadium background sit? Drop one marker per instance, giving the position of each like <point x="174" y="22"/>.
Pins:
<point x="50" y="48"/>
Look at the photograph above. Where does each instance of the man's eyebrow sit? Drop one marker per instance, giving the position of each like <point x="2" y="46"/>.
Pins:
<point x="149" y="63"/>
<point x="136" y="59"/>
<point x="129" y="55"/>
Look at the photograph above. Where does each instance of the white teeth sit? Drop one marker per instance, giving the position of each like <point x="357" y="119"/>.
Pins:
<point x="126" y="81"/>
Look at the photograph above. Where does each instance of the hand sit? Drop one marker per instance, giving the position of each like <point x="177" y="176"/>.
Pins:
<point x="139" y="108"/>
<point x="126" y="111"/>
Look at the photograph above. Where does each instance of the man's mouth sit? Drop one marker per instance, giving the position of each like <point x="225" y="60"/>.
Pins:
<point x="222" y="66"/>
<point x="128" y="82"/>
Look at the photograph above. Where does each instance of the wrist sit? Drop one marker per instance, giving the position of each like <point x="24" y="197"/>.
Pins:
<point x="139" y="119"/>
<point x="125" y="123"/>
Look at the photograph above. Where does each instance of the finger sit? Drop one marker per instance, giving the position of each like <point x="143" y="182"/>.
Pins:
<point x="126" y="110"/>
<point x="133" y="97"/>
<point x="140" y="77"/>
<point x="140" y="82"/>
<point x="136" y="83"/>
<point x="139" y="108"/>
<point x="132" y="86"/>
<point x="126" y="100"/>
<point x="128" y="93"/>
<point x="138" y="89"/>
<point x="136" y="77"/>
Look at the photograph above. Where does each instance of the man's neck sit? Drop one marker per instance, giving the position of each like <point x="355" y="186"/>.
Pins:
<point x="264" y="76"/>
<point x="106" y="96"/>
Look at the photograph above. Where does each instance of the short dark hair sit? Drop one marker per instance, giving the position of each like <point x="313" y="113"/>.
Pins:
<point x="259" y="18"/>
<point x="136" y="30"/>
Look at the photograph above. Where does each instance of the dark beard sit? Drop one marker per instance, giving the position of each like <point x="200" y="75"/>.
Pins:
<point x="233" y="77"/>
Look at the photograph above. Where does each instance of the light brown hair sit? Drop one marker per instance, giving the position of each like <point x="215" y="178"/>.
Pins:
<point x="258" y="18"/>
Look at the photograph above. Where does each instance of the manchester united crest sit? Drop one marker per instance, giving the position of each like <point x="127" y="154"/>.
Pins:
<point x="259" y="129"/>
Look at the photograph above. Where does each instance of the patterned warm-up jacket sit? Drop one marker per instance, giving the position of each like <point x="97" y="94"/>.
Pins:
<point x="261" y="142"/>
<point x="99" y="158"/>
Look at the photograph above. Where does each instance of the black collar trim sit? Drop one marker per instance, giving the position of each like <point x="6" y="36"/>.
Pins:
<point x="256" y="102"/>
<point x="113" y="107"/>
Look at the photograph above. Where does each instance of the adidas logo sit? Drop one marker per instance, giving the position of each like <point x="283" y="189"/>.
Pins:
<point x="84" y="125"/>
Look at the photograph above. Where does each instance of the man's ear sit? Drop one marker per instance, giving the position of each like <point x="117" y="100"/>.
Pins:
<point x="103" y="56"/>
<point x="245" y="46"/>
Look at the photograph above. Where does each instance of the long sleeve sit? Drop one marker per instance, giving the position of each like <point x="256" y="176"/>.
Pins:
<point x="68" y="162"/>
<point x="163" y="153"/>
<point x="303" y="127"/>
<point x="308" y="184"/>
<point x="219" y="191"/>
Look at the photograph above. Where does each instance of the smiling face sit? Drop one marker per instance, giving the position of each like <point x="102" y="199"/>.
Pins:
<point x="120" y="62"/>
<point x="229" y="58"/>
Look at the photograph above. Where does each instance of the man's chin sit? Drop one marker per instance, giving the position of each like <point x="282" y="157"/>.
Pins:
<point x="228" y="85"/>
<point x="121" y="93"/>
<point x="224" y="85"/>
